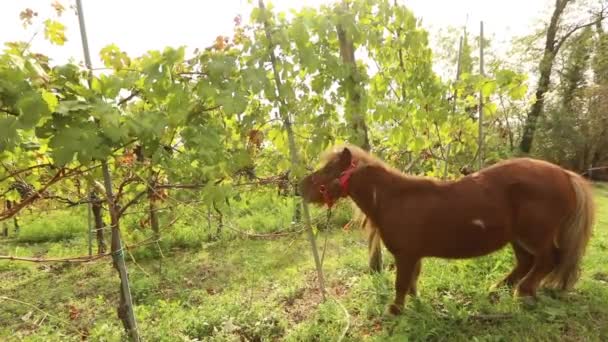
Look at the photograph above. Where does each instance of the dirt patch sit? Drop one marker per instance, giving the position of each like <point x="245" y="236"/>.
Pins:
<point x="301" y="304"/>
<point x="374" y="328"/>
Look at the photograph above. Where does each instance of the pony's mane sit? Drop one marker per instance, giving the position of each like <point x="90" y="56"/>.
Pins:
<point x="358" y="154"/>
<point x="365" y="158"/>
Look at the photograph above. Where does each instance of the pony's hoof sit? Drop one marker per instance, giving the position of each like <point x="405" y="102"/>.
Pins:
<point x="393" y="310"/>
<point x="528" y="300"/>
<point x="518" y="293"/>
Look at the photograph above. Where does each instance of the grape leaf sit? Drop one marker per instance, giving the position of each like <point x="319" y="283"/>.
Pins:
<point x="54" y="31"/>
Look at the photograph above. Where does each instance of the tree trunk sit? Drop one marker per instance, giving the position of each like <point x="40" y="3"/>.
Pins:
<point x="153" y="209"/>
<point x="99" y="225"/>
<point x="355" y="111"/>
<point x="545" y="67"/>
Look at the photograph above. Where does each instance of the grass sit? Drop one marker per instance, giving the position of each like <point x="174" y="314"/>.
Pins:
<point x="257" y="290"/>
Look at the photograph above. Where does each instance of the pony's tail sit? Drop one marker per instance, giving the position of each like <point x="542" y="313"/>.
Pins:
<point x="574" y="236"/>
<point x="373" y="238"/>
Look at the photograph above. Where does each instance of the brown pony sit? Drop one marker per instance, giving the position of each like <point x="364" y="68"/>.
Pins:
<point x="545" y="212"/>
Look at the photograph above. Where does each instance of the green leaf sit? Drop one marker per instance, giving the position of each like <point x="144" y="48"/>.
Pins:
<point x="13" y="195"/>
<point x="18" y="61"/>
<point x="299" y="32"/>
<point x="65" y="107"/>
<point x="37" y="72"/>
<point x="50" y="99"/>
<point x="112" y="57"/>
<point x="65" y="145"/>
<point x="81" y="141"/>
<point x="490" y="108"/>
<point x="54" y="31"/>
<point x="9" y="136"/>
<point x="232" y="104"/>
<point x="174" y="56"/>
<point x="178" y="105"/>
<point x="141" y="187"/>
<point x="518" y="92"/>
<point x="488" y="88"/>
<point x="108" y="86"/>
<point x="31" y="107"/>
<point x="220" y="68"/>
<point x="110" y="122"/>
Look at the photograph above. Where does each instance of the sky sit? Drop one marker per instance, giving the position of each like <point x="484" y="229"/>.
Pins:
<point x="137" y="26"/>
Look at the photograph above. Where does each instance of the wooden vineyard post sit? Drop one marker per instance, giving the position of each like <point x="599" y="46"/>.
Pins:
<point x="481" y="154"/>
<point x="98" y="221"/>
<point x="457" y="74"/>
<point x="125" y="308"/>
<point x="292" y="149"/>
<point x="152" y="207"/>
<point x="90" y="226"/>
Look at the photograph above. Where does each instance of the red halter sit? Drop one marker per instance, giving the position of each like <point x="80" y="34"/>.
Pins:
<point x="343" y="179"/>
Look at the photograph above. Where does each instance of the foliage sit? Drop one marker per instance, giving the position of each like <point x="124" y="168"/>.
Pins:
<point x="573" y="131"/>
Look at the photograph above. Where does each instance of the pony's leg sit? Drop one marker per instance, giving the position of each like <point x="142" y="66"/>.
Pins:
<point x="406" y="268"/>
<point x="544" y="262"/>
<point x="524" y="263"/>
<point x="413" y="288"/>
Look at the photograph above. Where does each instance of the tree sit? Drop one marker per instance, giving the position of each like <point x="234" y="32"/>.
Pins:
<point x="565" y="126"/>
<point x="553" y="44"/>
<point x="352" y="82"/>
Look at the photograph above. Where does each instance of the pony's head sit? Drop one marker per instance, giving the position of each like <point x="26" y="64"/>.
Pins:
<point x="329" y="183"/>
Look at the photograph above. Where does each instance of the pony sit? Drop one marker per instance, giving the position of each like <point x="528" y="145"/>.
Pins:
<point x="545" y="212"/>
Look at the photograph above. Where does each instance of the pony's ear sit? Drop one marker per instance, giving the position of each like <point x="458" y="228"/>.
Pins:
<point x="346" y="157"/>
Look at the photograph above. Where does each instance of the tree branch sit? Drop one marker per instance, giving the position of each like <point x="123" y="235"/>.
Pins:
<point x="208" y="109"/>
<point x="132" y="202"/>
<point x="128" y="98"/>
<point x="37" y="194"/>
<point x="15" y="173"/>
<point x="10" y="112"/>
<point x="62" y="173"/>
<point x="68" y="201"/>
<point x="121" y="187"/>
<point x="562" y="40"/>
<point x="42" y="260"/>
<point x="196" y="73"/>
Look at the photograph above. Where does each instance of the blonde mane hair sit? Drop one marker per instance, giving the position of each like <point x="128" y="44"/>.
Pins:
<point x="358" y="154"/>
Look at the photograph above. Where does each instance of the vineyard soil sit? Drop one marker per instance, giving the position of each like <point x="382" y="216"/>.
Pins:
<point x="237" y="289"/>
